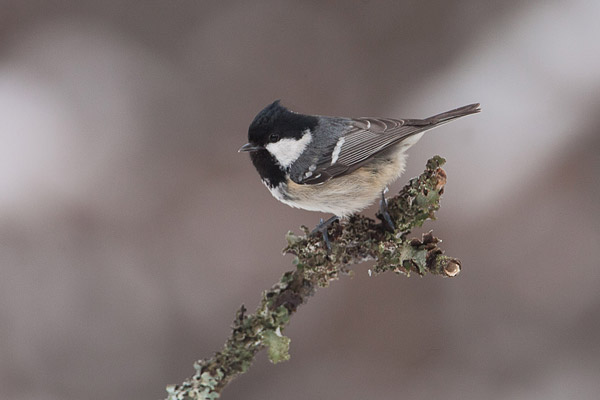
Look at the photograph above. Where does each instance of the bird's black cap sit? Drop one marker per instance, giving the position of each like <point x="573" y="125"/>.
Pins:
<point x="275" y="118"/>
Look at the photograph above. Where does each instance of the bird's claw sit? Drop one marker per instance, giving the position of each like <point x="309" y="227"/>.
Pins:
<point x="322" y="228"/>
<point x="384" y="215"/>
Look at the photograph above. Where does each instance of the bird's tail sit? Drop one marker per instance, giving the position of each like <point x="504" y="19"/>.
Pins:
<point x="454" y="114"/>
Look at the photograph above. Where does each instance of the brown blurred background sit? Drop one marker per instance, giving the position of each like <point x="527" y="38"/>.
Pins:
<point x="131" y="229"/>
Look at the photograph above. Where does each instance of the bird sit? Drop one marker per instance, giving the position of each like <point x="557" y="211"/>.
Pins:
<point x="334" y="165"/>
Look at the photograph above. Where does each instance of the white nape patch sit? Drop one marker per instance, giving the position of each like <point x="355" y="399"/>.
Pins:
<point x="336" y="150"/>
<point x="287" y="150"/>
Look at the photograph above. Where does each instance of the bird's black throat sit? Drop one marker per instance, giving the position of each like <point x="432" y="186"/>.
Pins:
<point x="268" y="168"/>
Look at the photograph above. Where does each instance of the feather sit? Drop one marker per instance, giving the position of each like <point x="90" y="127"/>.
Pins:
<point x="361" y="140"/>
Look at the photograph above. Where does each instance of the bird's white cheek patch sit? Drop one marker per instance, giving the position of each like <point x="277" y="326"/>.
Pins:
<point x="287" y="150"/>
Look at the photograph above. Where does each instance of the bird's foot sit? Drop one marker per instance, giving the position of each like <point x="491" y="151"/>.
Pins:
<point x="384" y="215"/>
<point x="322" y="229"/>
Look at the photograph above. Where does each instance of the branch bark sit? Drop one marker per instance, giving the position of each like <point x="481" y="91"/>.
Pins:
<point x="353" y="241"/>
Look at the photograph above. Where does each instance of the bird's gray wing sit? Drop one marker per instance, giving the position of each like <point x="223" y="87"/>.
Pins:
<point x="367" y="137"/>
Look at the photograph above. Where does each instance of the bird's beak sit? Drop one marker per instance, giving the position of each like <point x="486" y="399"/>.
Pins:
<point x="249" y="147"/>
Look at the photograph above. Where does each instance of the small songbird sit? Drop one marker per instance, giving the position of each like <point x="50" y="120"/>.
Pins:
<point x="333" y="164"/>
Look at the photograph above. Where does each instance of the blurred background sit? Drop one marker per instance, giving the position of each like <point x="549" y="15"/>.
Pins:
<point x="131" y="230"/>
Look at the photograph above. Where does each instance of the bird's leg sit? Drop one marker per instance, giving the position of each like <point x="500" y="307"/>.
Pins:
<point x="322" y="228"/>
<point x="384" y="215"/>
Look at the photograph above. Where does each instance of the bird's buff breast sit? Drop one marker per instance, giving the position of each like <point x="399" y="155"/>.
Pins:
<point x="343" y="195"/>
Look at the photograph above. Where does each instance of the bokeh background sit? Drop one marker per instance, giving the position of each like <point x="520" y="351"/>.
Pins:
<point x="131" y="229"/>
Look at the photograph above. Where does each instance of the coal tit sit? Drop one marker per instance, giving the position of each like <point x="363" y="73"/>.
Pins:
<point x="333" y="164"/>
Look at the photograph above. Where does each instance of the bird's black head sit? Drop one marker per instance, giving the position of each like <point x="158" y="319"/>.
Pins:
<point x="273" y="124"/>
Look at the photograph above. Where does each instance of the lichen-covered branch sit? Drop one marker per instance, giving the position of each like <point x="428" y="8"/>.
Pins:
<point x="354" y="240"/>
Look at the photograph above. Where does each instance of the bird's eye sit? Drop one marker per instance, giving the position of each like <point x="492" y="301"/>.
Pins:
<point x="273" y="137"/>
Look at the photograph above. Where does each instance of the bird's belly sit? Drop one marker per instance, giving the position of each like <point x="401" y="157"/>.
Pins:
<point x="346" y="194"/>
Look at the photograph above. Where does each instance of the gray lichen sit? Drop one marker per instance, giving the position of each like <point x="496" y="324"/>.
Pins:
<point x="353" y="241"/>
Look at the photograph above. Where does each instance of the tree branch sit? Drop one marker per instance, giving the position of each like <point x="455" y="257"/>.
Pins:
<point x="353" y="241"/>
